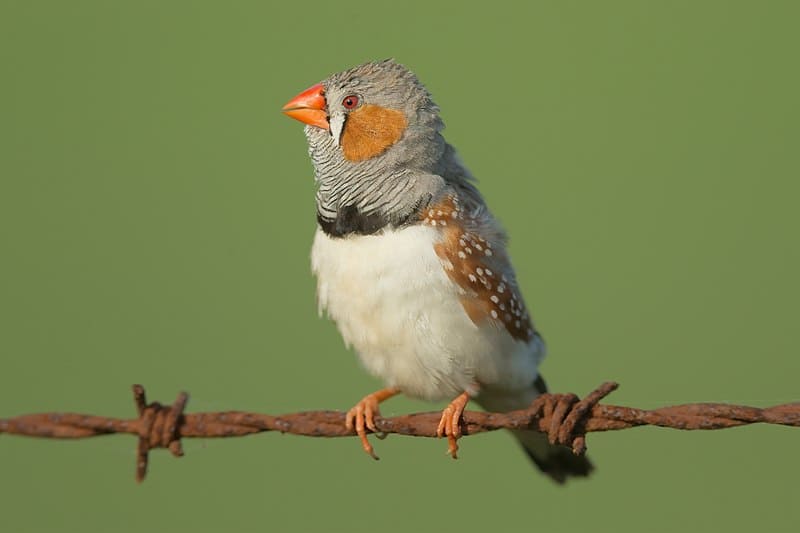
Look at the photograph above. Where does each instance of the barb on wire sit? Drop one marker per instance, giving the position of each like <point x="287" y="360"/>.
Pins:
<point x="563" y="417"/>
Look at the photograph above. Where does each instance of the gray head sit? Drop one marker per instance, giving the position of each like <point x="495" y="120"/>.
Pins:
<point x="374" y="138"/>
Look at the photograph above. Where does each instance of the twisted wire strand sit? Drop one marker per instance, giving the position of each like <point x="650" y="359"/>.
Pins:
<point x="565" y="418"/>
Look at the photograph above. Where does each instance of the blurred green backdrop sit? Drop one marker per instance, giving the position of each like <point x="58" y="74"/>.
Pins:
<point x="156" y="212"/>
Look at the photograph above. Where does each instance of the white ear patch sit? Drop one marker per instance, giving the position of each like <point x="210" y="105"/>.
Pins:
<point x="336" y="122"/>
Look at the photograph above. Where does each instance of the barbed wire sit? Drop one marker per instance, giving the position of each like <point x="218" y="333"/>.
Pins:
<point x="563" y="417"/>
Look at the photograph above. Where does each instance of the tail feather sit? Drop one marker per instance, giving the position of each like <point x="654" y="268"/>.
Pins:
<point x="557" y="462"/>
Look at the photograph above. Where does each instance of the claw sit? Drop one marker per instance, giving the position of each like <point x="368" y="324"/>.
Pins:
<point x="362" y="417"/>
<point x="450" y="423"/>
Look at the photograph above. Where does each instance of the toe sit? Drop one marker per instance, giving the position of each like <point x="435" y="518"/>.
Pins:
<point x="349" y="418"/>
<point x="442" y="429"/>
<point x="362" y="417"/>
<point x="369" y="417"/>
<point x="362" y="432"/>
<point x="455" y="425"/>
<point x="368" y="447"/>
<point x="450" y="423"/>
<point x="452" y="446"/>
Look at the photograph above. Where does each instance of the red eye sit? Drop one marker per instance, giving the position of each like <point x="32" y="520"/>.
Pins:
<point x="350" y="102"/>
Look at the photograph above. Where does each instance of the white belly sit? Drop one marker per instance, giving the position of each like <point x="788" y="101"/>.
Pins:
<point x="394" y="304"/>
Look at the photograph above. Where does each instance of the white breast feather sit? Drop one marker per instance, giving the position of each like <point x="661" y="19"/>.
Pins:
<point x="394" y="304"/>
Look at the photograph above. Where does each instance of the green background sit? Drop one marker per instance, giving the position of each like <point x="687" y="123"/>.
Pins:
<point x="156" y="213"/>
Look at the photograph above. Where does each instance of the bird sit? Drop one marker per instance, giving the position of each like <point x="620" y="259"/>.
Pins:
<point x="410" y="263"/>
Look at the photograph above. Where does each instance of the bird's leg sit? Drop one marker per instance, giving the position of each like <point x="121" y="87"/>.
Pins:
<point x="450" y="424"/>
<point x="362" y="416"/>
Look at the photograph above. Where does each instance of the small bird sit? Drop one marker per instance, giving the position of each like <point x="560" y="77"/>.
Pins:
<point x="410" y="263"/>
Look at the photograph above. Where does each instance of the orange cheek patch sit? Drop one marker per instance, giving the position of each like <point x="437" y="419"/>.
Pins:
<point x="371" y="130"/>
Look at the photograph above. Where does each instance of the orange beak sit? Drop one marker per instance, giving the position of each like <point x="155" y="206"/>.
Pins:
<point x="309" y="107"/>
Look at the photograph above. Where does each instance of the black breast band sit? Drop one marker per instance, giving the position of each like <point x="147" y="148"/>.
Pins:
<point x="349" y="220"/>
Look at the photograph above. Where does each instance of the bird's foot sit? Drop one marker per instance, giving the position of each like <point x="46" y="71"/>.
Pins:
<point x="450" y="424"/>
<point x="362" y="416"/>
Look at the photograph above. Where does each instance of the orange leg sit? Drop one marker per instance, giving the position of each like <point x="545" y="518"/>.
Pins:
<point x="362" y="416"/>
<point x="450" y="424"/>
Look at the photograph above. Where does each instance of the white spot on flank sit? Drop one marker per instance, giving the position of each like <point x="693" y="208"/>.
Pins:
<point x="439" y="213"/>
<point x="494" y="298"/>
<point x="468" y="250"/>
<point x="479" y="270"/>
<point x="501" y="288"/>
<point x="494" y="313"/>
<point x="487" y="252"/>
<point x="516" y="323"/>
<point x="488" y="272"/>
<point x="433" y="222"/>
<point x="472" y="277"/>
<point x="478" y="247"/>
<point x="462" y="255"/>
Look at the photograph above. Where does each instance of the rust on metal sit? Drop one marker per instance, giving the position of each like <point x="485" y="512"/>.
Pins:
<point x="563" y="417"/>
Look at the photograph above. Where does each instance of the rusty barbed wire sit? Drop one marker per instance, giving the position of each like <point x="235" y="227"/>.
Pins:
<point x="563" y="417"/>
